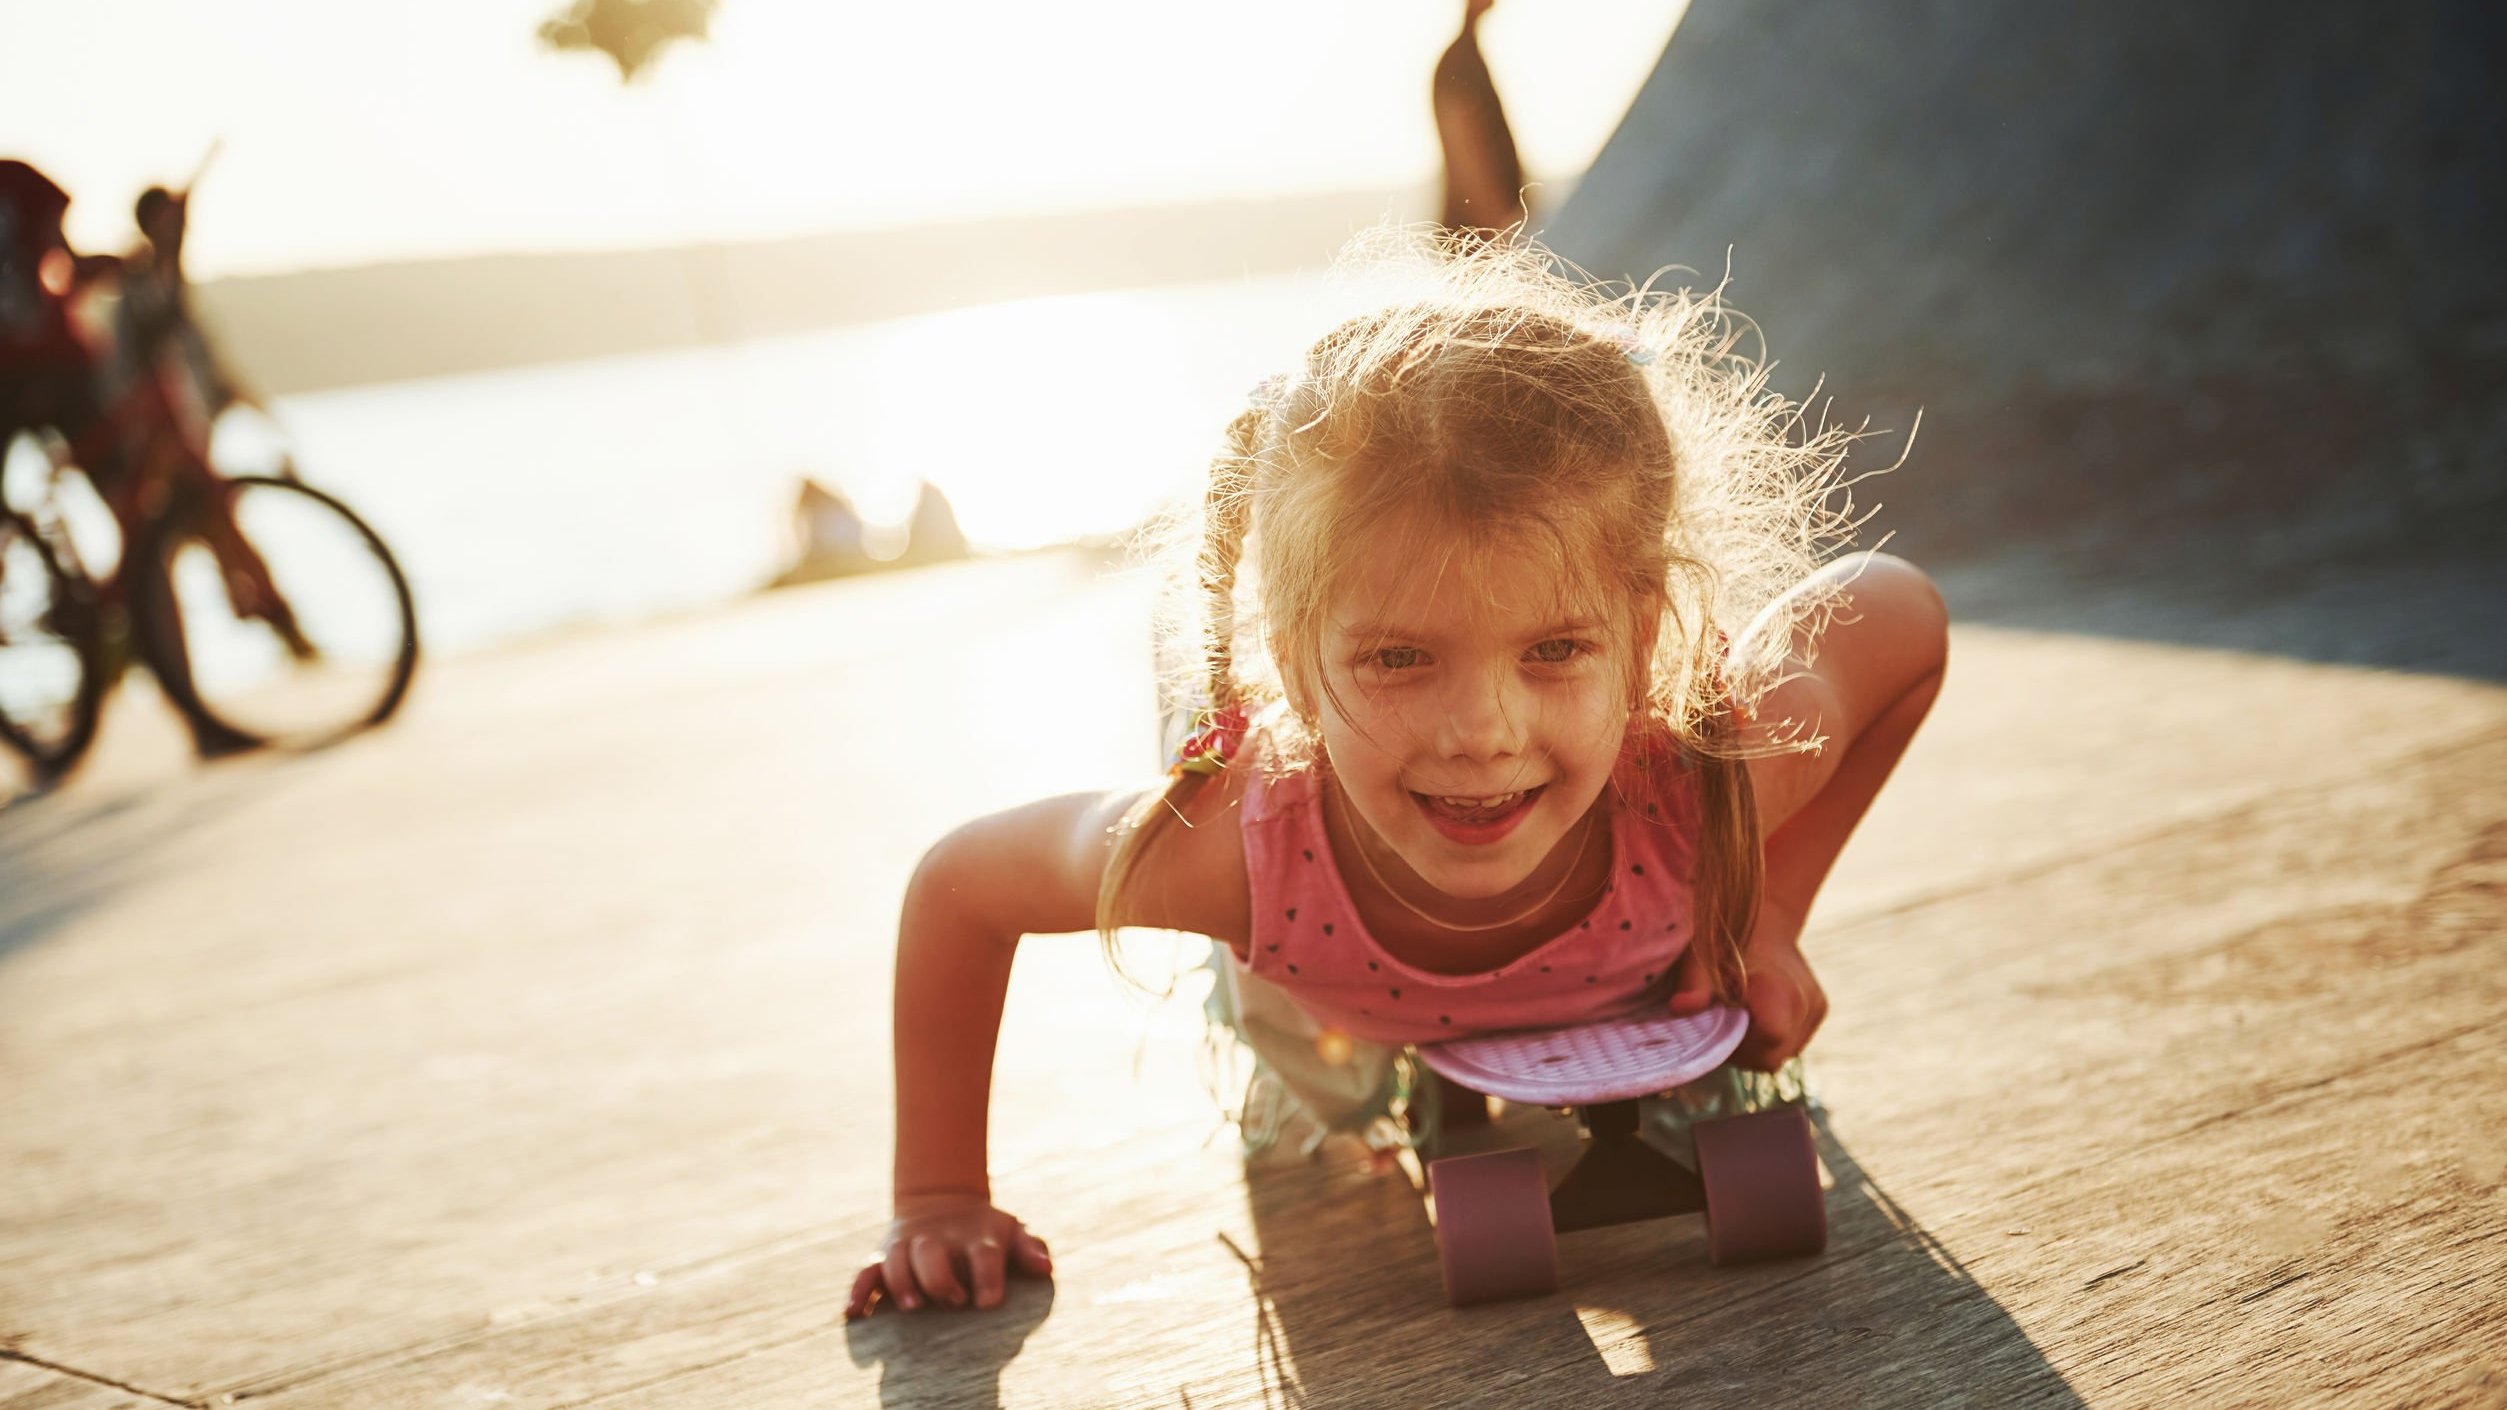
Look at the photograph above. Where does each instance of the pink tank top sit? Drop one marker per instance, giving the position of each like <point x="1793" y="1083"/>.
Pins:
<point x="1308" y="940"/>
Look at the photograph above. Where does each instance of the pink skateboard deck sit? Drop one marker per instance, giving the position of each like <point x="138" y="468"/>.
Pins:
<point x="1613" y="1060"/>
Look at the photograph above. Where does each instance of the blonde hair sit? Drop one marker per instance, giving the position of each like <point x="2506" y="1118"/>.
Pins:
<point x="1515" y="396"/>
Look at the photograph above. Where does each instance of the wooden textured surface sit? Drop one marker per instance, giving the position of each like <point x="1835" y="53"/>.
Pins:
<point x="533" y="1052"/>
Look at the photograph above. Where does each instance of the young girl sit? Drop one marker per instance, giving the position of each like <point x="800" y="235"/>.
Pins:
<point x="1530" y="704"/>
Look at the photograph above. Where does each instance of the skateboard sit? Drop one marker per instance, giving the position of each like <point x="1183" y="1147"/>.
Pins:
<point x="1754" y="1176"/>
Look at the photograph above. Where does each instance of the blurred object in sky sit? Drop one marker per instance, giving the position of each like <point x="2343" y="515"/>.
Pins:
<point x="630" y="32"/>
<point x="981" y="112"/>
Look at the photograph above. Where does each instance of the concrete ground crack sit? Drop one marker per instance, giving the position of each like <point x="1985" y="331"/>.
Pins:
<point x="25" y="1359"/>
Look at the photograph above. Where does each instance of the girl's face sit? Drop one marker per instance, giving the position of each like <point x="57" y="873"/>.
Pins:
<point x="1470" y="676"/>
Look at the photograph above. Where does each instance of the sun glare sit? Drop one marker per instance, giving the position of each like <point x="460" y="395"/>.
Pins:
<point x="343" y="140"/>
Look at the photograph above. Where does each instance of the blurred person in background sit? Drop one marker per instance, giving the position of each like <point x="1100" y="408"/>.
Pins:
<point x="47" y="372"/>
<point x="112" y="411"/>
<point x="157" y="320"/>
<point x="1483" y="174"/>
<point x="829" y="538"/>
<point x="932" y="535"/>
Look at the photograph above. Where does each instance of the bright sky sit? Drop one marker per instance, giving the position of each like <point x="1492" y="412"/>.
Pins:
<point x="356" y="131"/>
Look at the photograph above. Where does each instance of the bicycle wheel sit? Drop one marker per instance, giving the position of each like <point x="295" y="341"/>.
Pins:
<point x="51" y="654"/>
<point x="295" y="628"/>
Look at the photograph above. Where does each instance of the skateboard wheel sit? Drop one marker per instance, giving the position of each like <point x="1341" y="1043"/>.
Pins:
<point x="1493" y="1233"/>
<point x="1761" y="1175"/>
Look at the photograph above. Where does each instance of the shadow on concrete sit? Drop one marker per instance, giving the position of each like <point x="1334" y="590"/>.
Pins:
<point x="61" y="852"/>
<point x="1884" y="1317"/>
<point x="2436" y="604"/>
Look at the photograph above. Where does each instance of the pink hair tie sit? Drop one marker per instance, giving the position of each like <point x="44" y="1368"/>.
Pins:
<point x="1214" y="739"/>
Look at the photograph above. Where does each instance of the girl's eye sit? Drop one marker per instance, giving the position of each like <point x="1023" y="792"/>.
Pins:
<point x="1558" y="651"/>
<point x="1398" y="658"/>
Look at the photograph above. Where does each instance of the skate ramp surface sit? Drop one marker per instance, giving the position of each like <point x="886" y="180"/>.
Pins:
<point x="2142" y="265"/>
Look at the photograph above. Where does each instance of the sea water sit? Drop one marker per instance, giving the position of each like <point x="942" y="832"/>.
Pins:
<point x="525" y="500"/>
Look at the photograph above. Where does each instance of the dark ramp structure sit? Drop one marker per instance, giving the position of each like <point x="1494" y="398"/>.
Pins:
<point x="2235" y="270"/>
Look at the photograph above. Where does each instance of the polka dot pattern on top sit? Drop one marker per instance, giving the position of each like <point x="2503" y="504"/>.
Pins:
<point x="1309" y="941"/>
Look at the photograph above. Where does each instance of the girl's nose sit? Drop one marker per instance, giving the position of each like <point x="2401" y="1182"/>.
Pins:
<point x="1483" y="719"/>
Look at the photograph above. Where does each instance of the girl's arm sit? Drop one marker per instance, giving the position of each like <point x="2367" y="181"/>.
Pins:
<point x="1862" y="688"/>
<point x="1032" y="870"/>
<point x="1029" y="871"/>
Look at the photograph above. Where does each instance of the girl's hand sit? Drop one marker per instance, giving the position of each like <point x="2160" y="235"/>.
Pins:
<point x="940" y="1246"/>
<point x="1785" y="1001"/>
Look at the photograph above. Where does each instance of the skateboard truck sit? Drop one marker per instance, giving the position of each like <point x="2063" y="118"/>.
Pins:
<point x="1620" y="1179"/>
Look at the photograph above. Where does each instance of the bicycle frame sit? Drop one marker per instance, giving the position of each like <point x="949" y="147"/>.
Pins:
<point x="164" y="486"/>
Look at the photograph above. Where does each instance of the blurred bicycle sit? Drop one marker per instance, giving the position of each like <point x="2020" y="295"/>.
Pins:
<point x="267" y="610"/>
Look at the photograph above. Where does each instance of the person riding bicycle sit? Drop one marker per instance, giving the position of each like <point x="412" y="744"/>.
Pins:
<point x="157" y="314"/>
<point x="193" y="386"/>
<point x="105" y="365"/>
<point x="122" y="423"/>
<point x="47" y="371"/>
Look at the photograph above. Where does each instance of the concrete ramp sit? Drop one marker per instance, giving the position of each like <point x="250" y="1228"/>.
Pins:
<point x="2224" y="260"/>
<point x="534" y="1053"/>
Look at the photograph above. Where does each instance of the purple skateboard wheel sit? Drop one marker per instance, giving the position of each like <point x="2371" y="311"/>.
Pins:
<point x="1761" y="1175"/>
<point x="1493" y="1234"/>
<point x="1608" y="1061"/>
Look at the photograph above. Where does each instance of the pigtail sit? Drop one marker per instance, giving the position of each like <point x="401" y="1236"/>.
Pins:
<point x="1731" y="862"/>
<point x="1731" y="858"/>
<point x="1226" y="507"/>
<point x="1697" y="777"/>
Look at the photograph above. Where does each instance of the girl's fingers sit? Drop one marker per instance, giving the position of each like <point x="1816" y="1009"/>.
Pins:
<point x="1034" y="1259"/>
<point x="933" y="1269"/>
<point x="1777" y="1011"/>
<point x="1766" y="1058"/>
<point x="1761" y="1046"/>
<point x="1796" y="1017"/>
<point x="896" y="1275"/>
<point x="1766" y="1050"/>
<point x="983" y="1263"/>
<point x="950" y="1269"/>
<point x="866" y="1285"/>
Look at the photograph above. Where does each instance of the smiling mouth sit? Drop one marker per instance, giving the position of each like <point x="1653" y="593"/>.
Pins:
<point x="1476" y="809"/>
